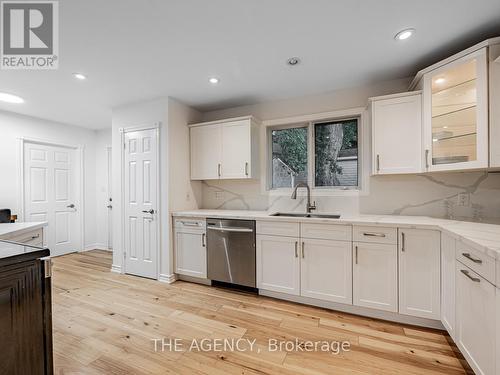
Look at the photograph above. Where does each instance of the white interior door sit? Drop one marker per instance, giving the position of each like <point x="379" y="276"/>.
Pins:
<point x="50" y="194"/>
<point x="141" y="202"/>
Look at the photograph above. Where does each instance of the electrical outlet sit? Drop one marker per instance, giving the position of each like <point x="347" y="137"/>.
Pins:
<point x="463" y="199"/>
<point x="219" y="195"/>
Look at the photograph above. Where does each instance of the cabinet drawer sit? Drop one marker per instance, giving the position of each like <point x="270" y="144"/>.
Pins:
<point x="477" y="261"/>
<point x="375" y="234"/>
<point x="278" y="228"/>
<point x="34" y="237"/>
<point x="190" y="223"/>
<point x="326" y="231"/>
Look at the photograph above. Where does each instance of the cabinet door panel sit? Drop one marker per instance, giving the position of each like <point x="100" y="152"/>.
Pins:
<point x="236" y="149"/>
<point x="397" y="135"/>
<point x="278" y="264"/>
<point x="375" y="276"/>
<point x="448" y="283"/>
<point x="206" y="146"/>
<point x="190" y="253"/>
<point x="326" y="270"/>
<point x="419" y="273"/>
<point x="456" y="114"/>
<point x="475" y="320"/>
<point x="22" y="324"/>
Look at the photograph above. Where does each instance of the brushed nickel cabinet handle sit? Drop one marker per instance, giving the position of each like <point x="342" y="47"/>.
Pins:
<point x="47" y="267"/>
<point x="296" y="249"/>
<point x="203" y="243"/>
<point x="218" y="169"/>
<point x="427" y="159"/>
<point x="475" y="279"/>
<point x="35" y="236"/>
<point x="356" y="254"/>
<point x="403" y="244"/>
<point x="246" y="169"/>
<point x="378" y="163"/>
<point x="468" y="256"/>
<point x="372" y="234"/>
<point x="303" y="251"/>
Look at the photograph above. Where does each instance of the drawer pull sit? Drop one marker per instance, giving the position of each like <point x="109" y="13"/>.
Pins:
<point x="373" y="234"/>
<point x="35" y="236"/>
<point x="468" y="256"/>
<point x="475" y="279"/>
<point x="189" y="224"/>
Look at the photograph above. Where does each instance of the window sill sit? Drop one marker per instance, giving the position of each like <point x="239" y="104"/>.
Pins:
<point x="316" y="192"/>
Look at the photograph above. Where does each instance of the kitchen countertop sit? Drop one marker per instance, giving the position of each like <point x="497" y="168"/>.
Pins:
<point x="484" y="237"/>
<point x="9" y="229"/>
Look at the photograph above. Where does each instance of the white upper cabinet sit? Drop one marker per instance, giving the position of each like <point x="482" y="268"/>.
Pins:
<point x="397" y="133"/>
<point x="227" y="149"/>
<point x="206" y="152"/>
<point x="494" y="91"/>
<point x="456" y="114"/>
<point x="419" y="273"/>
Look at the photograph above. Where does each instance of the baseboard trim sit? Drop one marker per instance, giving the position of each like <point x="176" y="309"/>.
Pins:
<point x="357" y="310"/>
<point x="116" y="268"/>
<point x="95" y="246"/>
<point x="164" y="278"/>
<point x="192" y="279"/>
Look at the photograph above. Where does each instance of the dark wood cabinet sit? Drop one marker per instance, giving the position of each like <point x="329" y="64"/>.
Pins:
<point x="25" y="314"/>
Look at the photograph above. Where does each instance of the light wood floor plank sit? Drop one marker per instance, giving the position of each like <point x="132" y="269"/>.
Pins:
<point x="104" y="323"/>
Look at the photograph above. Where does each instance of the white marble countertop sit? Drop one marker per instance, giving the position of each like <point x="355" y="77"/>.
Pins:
<point x="8" y="229"/>
<point x="484" y="237"/>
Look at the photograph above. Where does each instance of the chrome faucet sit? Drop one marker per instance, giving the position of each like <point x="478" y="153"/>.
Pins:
<point x="309" y="206"/>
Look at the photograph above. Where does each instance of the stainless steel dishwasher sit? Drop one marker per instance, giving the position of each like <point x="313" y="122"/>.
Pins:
<point x="231" y="251"/>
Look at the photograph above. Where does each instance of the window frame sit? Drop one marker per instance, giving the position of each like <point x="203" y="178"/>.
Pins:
<point x="354" y="114"/>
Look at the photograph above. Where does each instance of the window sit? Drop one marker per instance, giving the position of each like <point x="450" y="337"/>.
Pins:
<point x="336" y="153"/>
<point x="289" y="157"/>
<point x="323" y="154"/>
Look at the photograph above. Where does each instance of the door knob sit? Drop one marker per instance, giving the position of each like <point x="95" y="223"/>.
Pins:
<point x="151" y="211"/>
<point x="70" y="205"/>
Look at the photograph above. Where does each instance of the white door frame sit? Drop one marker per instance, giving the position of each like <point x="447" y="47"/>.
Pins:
<point x="109" y="192"/>
<point x="155" y="126"/>
<point x="79" y="175"/>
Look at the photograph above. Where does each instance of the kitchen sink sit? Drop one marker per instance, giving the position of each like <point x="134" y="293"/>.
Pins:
<point x="305" y="215"/>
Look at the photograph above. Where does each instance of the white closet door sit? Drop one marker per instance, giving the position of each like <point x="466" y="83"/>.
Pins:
<point x="50" y="194"/>
<point x="141" y="205"/>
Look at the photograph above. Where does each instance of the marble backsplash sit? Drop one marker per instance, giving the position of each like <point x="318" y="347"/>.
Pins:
<point x="471" y="196"/>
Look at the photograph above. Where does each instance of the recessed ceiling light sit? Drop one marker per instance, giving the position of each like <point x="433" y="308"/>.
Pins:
<point x="404" y="34"/>
<point x="80" y="76"/>
<point x="213" y="80"/>
<point x="439" y="81"/>
<point x="9" y="98"/>
<point x="292" y="61"/>
<point x="445" y="127"/>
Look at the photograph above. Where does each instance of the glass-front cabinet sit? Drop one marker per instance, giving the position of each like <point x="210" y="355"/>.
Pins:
<point x="456" y="114"/>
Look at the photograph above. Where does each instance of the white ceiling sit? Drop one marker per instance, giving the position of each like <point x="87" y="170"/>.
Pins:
<point x="135" y="50"/>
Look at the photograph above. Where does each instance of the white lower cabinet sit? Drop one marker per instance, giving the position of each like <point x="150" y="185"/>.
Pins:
<point x="190" y="248"/>
<point x="375" y="276"/>
<point x="448" y="263"/>
<point x="497" y="291"/>
<point x="278" y="264"/>
<point x="325" y="270"/>
<point x="419" y="273"/>
<point x="475" y="320"/>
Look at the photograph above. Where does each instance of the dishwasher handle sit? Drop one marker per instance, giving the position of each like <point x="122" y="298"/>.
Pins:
<point x="231" y="229"/>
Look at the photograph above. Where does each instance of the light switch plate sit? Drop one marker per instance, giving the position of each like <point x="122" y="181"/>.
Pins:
<point x="463" y="199"/>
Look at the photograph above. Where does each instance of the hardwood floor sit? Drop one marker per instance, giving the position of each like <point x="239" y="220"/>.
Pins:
<point x="104" y="323"/>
